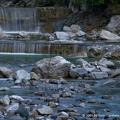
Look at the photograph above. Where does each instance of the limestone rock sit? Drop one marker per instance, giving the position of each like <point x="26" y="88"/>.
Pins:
<point x="5" y="72"/>
<point x="54" y="67"/>
<point x="108" y="35"/>
<point x="80" y="33"/>
<point x="45" y="110"/>
<point x="16" y="97"/>
<point x="66" y="28"/>
<point x="22" y="74"/>
<point x="99" y="75"/>
<point x="62" y="35"/>
<point x="5" y="100"/>
<point x="113" y="53"/>
<point x="76" y="72"/>
<point x="34" y="76"/>
<point x="75" y="28"/>
<point x="106" y="63"/>
<point x="114" y="24"/>
<point x="4" y="88"/>
<point x="3" y="35"/>
<point x="12" y="107"/>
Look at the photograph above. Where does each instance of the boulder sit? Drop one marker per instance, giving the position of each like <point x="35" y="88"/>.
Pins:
<point x="23" y="34"/>
<point x="80" y="33"/>
<point x="95" y="51"/>
<point x="54" y="67"/>
<point x="74" y="28"/>
<point x="99" y="75"/>
<point x="114" y="24"/>
<point x="12" y="107"/>
<point x="5" y="100"/>
<point x="45" y="110"/>
<point x="62" y="35"/>
<point x="66" y="29"/>
<point x="34" y="76"/>
<point x="22" y="75"/>
<point x="87" y="66"/>
<point x="6" y="72"/>
<point x="106" y="63"/>
<point x="113" y="53"/>
<point x="77" y="72"/>
<point x="3" y="35"/>
<point x="109" y="35"/>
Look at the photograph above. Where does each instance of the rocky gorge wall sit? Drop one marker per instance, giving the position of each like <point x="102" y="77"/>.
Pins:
<point x="52" y="18"/>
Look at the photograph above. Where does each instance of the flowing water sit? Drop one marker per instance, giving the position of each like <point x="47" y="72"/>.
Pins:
<point x="13" y="20"/>
<point x="25" y="19"/>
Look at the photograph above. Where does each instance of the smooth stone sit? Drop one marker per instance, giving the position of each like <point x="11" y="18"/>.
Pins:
<point x="45" y="110"/>
<point x="34" y="76"/>
<point x="4" y="88"/>
<point x="82" y="104"/>
<point x="12" y="107"/>
<point x="40" y="93"/>
<point x="88" y="91"/>
<point x="5" y="100"/>
<point x="99" y="75"/>
<point x="16" y="97"/>
<point x="22" y="74"/>
<point x="109" y="35"/>
<point x="23" y="112"/>
<point x="106" y="97"/>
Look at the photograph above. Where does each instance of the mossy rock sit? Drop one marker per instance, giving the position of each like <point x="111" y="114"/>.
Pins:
<point x="113" y="9"/>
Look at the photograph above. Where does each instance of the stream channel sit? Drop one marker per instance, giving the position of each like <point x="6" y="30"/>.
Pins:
<point x="108" y="106"/>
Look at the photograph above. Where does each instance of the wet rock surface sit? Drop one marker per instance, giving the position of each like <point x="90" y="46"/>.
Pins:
<point x="56" y="99"/>
<point x="80" y="96"/>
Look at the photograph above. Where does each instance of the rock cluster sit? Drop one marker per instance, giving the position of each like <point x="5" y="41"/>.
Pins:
<point x="57" y="67"/>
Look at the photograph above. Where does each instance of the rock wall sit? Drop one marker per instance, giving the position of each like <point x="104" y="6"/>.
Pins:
<point x="49" y="16"/>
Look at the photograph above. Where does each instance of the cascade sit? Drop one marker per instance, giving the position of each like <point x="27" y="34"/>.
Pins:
<point x="39" y="47"/>
<point x="13" y="20"/>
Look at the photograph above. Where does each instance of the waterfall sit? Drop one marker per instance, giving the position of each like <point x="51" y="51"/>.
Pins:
<point x="13" y="20"/>
<point x="7" y="46"/>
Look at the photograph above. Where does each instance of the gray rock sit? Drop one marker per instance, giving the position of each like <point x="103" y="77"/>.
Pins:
<point x="74" y="28"/>
<point x="66" y="28"/>
<point x="22" y="74"/>
<point x="113" y="53"/>
<point x="54" y="67"/>
<point x="77" y="72"/>
<point x="62" y="35"/>
<point x="99" y="75"/>
<point x="23" y="112"/>
<point x="80" y="33"/>
<point x="34" y="76"/>
<point x="6" y="72"/>
<point x="106" y="63"/>
<point x="45" y="110"/>
<point x="4" y="88"/>
<point x="5" y="100"/>
<point x="16" y="97"/>
<point x="114" y="24"/>
<point x="12" y="107"/>
<point x="108" y="35"/>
